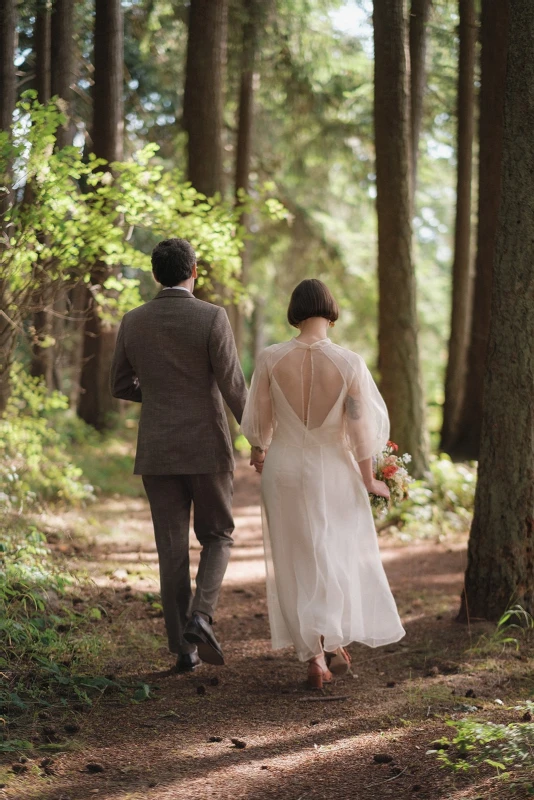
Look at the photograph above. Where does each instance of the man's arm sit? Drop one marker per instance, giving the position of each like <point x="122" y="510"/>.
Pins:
<point x="123" y="380"/>
<point x="225" y="364"/>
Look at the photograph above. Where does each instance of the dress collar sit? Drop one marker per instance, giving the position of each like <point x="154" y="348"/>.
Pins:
<point x="320" y="343"/>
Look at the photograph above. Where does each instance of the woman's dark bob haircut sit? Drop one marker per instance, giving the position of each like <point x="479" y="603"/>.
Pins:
<point x="311" y="298"/>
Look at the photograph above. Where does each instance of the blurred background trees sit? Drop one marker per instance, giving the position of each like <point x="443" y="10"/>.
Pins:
<point x="253" y="103"/>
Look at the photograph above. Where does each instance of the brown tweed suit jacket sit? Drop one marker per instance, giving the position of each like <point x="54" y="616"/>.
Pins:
<point x="176" y="355"/>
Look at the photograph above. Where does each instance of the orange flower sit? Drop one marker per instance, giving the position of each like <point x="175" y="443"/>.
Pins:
<point x="393" y="446"/>
<point x="389" y="472"/>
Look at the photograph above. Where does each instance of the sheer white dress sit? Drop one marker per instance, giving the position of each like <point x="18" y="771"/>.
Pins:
<point x="318" y="411"/>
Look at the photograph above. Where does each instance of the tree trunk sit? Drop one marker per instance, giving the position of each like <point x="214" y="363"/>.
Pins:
<point x="62" y="78"/>
<point x="494" y="37"/>
<point x="7" y="62"/>
<point x="419" y="14"/>
<point x="42" y="51"/>
<point x="461" y="271"/>
<point x="96" y="404"/>
<point x="7" y="104"/>
<point x="42" y="357"/>
<point x="397" y="334"/>
<point x="500" y="568"/>
<point x="203" y="93"/>
<point x="62" y="27"/>
<point x="244" y="145"/>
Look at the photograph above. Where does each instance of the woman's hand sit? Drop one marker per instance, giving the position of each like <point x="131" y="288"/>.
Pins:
<point x="377" y="487"/>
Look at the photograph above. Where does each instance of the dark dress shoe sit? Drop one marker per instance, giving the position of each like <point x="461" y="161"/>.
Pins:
<point x="199" y="632"/>
<point x="187" y="662"/>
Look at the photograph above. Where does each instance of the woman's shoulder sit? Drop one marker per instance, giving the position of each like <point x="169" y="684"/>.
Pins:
<point x="275" y="348"/>
<point x="347" y="355"/>
<point x="268" y="353"/>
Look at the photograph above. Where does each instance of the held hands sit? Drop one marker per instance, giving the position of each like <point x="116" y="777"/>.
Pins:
<point x="377" y="487"/>
<point x="257" y="457"/>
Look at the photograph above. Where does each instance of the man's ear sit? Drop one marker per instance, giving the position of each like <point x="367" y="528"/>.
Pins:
<point x="154" y="276"/>
<point x="194" y="274"/>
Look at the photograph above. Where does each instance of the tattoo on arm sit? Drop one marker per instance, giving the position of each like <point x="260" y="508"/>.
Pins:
<point x="353" y="407"/>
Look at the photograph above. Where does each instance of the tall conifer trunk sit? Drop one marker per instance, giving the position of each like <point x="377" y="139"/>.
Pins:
<point x="42" y="357"/>
<point x="203" y="93"/>
<point x="500" y="569"/>
<point x="203" y="97"/>
<point x="465" y="444"/>
<point x="419" y="14"/>
<point x="61" y="73"/>
<point x="95" y="403"/>
<point x="461" y="270"/>
<point x="245" y="118"/>
<point x="399" y="366"/>
<point x="7" y="104"/>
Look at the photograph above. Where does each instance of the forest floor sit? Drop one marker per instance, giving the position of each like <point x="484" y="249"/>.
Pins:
<point x="295" y="744"/>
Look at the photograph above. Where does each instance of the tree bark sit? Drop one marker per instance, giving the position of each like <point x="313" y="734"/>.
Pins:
<point x="494" y="38"/>
<point x="419" y="14"/>
<point x="245" y="118"/>
<point x="203" y="93"/>
<point x="62" y="30"/>
<point x="7" y="62"/>
<point x="7" y="104"/>
<point x="462" y="280"/>
<point x="95" y="404"/>
<point x="42" y="51"/>
<point x="397" y="333"/>
<point x="42" y="357"/>
<point x="500" y="568"/>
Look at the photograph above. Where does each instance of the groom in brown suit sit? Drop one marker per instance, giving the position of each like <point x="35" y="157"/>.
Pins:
<point x="176" y="355"/>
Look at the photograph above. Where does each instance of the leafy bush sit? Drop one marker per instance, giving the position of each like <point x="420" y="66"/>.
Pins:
<point x="443" y="503"/>
<point x="35" y="466"/>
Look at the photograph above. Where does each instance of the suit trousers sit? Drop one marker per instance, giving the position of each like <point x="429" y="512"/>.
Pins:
<point x="170" y="498"/>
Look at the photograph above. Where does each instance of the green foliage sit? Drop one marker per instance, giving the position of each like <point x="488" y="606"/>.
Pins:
<point x="516" y="622"/>
<point x="46" y="646"/>
<point x="500" y="746"/>
<point x="35" y="467"/>
<point x="107" y="460"/>
<point x="78" y="213"/>
<point x="441" y="504"/>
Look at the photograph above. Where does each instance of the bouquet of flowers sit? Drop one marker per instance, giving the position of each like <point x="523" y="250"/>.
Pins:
<point x="391" y="468"/>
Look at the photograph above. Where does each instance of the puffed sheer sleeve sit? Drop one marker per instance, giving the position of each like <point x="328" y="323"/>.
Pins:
<point x="366" y="415"/>
<point x="257" y="422"/>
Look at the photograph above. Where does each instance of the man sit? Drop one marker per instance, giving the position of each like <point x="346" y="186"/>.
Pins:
<point x="177" y="356"/>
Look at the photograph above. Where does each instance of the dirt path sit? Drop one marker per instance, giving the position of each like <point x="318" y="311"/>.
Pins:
<point x="298" y="747"/>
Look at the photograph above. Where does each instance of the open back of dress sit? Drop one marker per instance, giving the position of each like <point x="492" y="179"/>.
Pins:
<point x="310" y="382"/>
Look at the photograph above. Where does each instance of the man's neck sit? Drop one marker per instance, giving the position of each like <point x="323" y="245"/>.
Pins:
<point x="188" y="286"/>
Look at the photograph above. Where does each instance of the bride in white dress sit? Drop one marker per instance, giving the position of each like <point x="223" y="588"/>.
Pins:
<point x="316" y="409"/>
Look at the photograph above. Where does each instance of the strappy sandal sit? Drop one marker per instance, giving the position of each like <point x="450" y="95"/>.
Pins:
<point x="338" y="662"/>
<point x="317" y="676"/>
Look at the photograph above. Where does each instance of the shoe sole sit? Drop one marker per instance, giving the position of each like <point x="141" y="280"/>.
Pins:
<point x="206" y="652"/>
<point x="338" y="666"/>
<point x="187" y="669"/>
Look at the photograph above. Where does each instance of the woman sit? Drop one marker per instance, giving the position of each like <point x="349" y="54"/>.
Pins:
<point x="316" y="408"/>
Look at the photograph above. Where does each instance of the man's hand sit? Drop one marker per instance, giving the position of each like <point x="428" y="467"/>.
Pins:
<point x="257" y="457"/>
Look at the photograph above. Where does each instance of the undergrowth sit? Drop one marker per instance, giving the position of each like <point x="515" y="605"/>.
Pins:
<point x="35" y="464"/>
<point x="440" y="505"/>
<point x="49" y="651"/>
